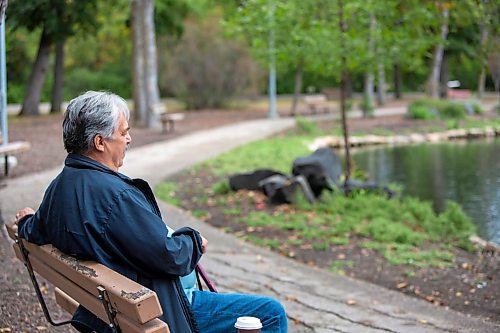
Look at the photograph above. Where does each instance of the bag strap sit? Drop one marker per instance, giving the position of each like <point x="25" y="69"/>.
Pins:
<point x="200" y="272"/>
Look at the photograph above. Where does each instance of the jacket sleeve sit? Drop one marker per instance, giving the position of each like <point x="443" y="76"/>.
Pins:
<point x="139" y="237"/>
<point x="32" y="229"/>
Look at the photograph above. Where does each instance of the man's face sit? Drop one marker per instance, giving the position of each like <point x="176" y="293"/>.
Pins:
<point x="116" y="146"/>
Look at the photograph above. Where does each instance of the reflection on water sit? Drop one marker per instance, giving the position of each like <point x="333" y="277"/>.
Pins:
<point x="467" y="172"/>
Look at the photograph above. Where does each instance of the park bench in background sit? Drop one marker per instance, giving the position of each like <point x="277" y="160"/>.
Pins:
<point x="167" y="119"/>
<point x="12" y="148"/>
<point x="459" y="94"/>
<point x="124" y="304"/>
<point x="318" y="103"/>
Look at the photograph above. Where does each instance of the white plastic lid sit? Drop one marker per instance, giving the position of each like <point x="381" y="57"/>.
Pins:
<point x="248" y="323"/>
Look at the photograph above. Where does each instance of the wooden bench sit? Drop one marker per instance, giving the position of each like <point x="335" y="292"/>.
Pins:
<point x="122" y="303"/>
<point x="12" y="148"/>
<point x="459" y="94"/>
<point x="319" y="102"/>
<point x="168" y="121"/>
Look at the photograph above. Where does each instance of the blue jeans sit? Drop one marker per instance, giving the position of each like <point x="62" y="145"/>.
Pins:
<point x="217" y="313"/>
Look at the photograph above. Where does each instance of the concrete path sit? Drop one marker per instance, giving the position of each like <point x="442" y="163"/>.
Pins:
<point x="315" y="300"/>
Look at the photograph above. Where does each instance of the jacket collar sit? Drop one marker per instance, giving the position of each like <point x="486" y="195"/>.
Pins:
<point x="83" y="162"/>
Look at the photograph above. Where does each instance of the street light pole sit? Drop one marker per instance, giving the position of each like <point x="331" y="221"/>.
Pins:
<point x="272" y="113"/>
<point x="3" y="75"/>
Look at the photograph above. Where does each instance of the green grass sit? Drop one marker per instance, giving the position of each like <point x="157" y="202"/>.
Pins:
<point x="275" y="153"/>
<point x="166" y="192"/>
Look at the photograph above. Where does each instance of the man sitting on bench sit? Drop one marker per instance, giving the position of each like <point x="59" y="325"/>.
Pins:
<point x="93" y="212"/>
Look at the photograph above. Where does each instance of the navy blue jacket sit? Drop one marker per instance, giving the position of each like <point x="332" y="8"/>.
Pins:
<point x="94" y="213"/>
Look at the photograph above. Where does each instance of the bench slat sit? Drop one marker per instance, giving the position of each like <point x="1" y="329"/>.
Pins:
<point x="15" y="147"/>
<point x="154" y="326"/>
<point x="90" y="301"/>
<point x="139" y="303"/>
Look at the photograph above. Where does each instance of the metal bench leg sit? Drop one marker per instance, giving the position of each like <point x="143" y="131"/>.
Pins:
<point x="38" y="292"/>
<point x="6" y="160"/>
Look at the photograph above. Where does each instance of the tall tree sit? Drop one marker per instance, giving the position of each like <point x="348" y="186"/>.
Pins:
<point x="438" y="53"/>
<point x="57" y="20"/>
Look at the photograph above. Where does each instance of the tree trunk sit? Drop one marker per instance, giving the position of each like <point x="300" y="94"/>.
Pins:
<point x="348" y="86"/>
<point x="367" y="103"/>
<point x="482" y="76"/>
<point x="444" y="77"/>
<point x="139" y="85"/>
<point x="37" y="77"/>
<point x="297" y="87"/>
<point x="381" y="84"/>
<point x="343" y="81"/>
<point x="151" y="64"/>
<point x="57" y="86"/>
<point x="433" y="82"/>
<point x="398" y="82"/>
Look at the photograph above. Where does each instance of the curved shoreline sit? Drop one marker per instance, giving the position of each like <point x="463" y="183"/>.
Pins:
<point x="413" y="138"/>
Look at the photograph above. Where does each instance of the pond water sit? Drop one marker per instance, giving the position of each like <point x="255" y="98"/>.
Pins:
<point x="467" y="172"/>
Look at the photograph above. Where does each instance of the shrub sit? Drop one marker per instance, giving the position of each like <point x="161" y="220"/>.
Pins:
<point x="421" y="112"/>
<point x="428" y="108"/>
<point x="306" y="126"/>
<point x="453" y="110"/>
<point x="206" y="69"/>
<point x="221" y="187"/>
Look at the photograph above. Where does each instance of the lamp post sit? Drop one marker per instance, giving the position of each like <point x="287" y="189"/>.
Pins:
<point x="3" y="75"/>
<point x="272" y="113"/>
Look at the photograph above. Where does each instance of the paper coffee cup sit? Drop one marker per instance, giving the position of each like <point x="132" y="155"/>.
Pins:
<point x="248" y="323"/>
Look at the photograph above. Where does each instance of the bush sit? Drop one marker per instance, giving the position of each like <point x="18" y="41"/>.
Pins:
<point x="428" y="108"/>
<point x="306" y="126"/>
<point x="453" y="110"/>
<point x="206" y="69"/>
<point x="421" y="112"/>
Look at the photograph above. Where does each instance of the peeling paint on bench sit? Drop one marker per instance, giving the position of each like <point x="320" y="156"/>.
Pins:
<point x="76" y="265"/>
<point x="137" y="294"/>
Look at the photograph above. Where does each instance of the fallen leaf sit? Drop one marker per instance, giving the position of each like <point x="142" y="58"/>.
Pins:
<point x="423" y="321"/>
<point x="5" y="330"/>
<point x="402" y="285"/>
<point x="351" y="302"/>
<point x="291" y="298"/>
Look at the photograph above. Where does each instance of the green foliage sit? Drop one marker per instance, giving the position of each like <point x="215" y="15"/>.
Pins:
<point x="428" y="108"/>
<point x="401" y="254"/>
<point x="166" y="192"/>
<point x="477" y="108"/>
<point x="221" y="187"/>
<point x="273" y="244"/>
<point x="114" y="78"/>
<point x="205" y="69"/>
<point x="421" y="112"/>
<point x="58" y="18"/>
<point x="453" y="110"/>
<point x="338" y="266"/>
<point x="275" y="153"/>
<point x="200" y="214"/>
<point x="306" y="126"/>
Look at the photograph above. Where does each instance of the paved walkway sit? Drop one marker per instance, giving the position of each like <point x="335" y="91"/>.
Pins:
<point x="315" y="300"/>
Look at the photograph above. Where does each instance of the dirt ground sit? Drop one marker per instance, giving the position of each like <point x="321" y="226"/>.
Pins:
<point x="471" y="286"/>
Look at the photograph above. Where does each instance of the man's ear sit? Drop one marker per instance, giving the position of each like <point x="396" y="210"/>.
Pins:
<point x="99" y="142"/>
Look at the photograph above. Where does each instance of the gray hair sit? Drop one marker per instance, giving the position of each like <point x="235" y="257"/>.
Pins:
<point x="90" y="114"/>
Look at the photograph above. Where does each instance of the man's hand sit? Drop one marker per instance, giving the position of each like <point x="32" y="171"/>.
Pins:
<point x="23" y="212"/>
<point x="204" y="244"/>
